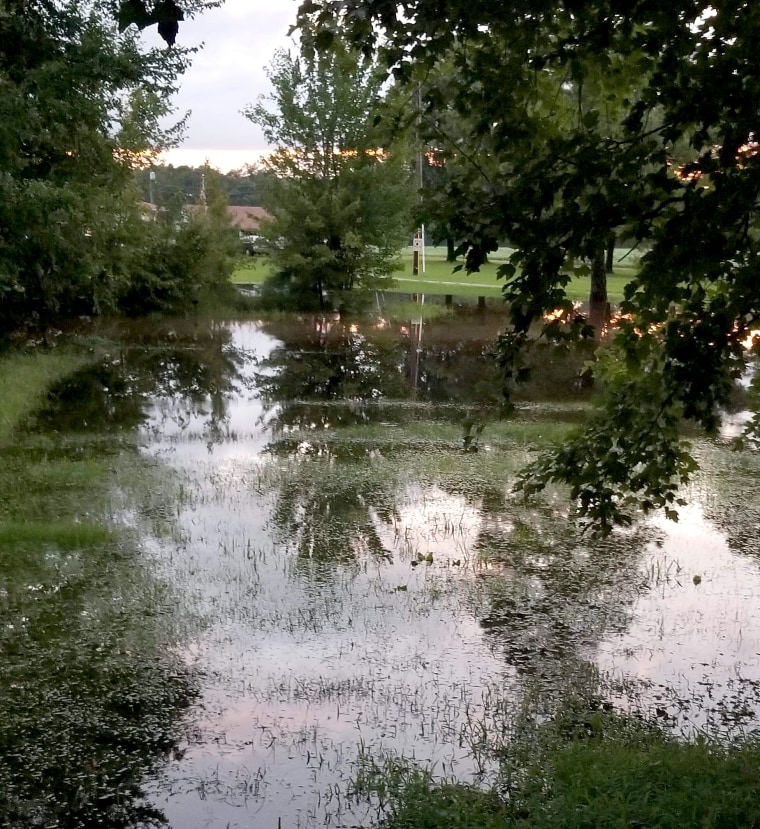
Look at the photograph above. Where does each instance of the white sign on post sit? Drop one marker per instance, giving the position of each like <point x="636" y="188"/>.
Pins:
<point x="417" y="243"/>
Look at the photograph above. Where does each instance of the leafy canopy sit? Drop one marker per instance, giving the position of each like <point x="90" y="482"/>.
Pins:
<point x="339" y="197"/>
<point x="165" y="14"/>
<point x="664" y="153"/>
<point x="80" y="106"/>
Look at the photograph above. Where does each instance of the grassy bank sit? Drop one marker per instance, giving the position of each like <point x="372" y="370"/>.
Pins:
<point x="586" y="769"/>
<point x="440" y="279"/>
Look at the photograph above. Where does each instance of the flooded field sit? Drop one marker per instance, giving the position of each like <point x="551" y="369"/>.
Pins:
<point x="316" y="563"/>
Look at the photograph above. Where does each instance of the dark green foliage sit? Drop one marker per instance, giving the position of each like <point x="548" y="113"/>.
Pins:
<point x="598" y="768"/>
<point x="665" y="785"/>
<point x="448" y="806"/>
<point x="165" y="14"/>
<point x="339" y="198"/>
<point x="581" y="121"/>
<point x="640" y="464"/>
<point x="183" y="255"/>
<point x="79" y="104"/>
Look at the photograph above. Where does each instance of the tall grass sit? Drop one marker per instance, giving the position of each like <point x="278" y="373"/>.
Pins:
<point x="590" y="768"/>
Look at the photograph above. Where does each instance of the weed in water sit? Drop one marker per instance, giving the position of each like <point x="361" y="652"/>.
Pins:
<point x="589" y="766"/>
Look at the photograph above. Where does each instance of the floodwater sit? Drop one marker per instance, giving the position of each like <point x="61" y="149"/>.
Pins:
<point x="346" y="583"/>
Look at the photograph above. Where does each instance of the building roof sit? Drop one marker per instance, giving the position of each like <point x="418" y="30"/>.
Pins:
<point x="246" y="218"/>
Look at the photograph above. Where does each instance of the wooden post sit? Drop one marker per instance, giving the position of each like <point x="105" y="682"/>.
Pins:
<point x="417" y="248"/>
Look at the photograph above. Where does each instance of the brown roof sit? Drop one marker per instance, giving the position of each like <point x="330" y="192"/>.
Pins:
<point x="246" y="218"/>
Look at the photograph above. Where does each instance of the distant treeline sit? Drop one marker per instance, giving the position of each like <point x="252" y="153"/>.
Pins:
<point x="171" y="184"/>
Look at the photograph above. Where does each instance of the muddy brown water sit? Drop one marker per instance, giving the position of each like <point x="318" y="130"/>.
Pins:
<point x="354" y="585"/>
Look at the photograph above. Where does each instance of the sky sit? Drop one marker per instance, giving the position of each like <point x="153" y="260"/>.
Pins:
<point x="240" y="39"/>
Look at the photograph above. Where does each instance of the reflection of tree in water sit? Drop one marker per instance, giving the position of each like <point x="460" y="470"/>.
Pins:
<point x="91" y="690"/>
<point x="545" y="595"/>
<point x="728" y="495"/>
<point x="329" y="374"/>
<point x="457" y="362"/>
<point x="555" y="594"/>
<point x="461" y="372"/>
<point x="324" y="511"/>
<point x="189" y="378"/>
<point x="558" y="593"/>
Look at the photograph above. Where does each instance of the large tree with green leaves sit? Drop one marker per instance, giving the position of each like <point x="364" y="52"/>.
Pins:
<point x="339" y="196"/>
<point x="80" y="103"/>
<point x="555" y="194"/>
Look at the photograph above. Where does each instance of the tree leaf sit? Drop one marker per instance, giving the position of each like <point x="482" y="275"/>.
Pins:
<point x="133" y="12"/>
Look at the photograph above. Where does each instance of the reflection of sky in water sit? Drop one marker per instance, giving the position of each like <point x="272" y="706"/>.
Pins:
<point x="306" y="659"/>
<point x="700" y="638"/>
<point x="240" y="431"/>
<point x="735" y="424"/>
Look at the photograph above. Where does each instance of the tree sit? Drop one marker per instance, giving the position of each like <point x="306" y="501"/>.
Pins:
<point x="696" y="296"/>
<point x="80" y="104"/>
<point x="338" y="195"/>
<point x="184" y="255"/>
<point x="241" y="187"/>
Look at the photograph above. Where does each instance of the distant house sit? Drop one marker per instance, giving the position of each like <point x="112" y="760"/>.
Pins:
<point x="246" y="219"/>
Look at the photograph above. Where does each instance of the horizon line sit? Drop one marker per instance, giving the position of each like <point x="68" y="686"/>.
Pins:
<point x="224" y="160"/>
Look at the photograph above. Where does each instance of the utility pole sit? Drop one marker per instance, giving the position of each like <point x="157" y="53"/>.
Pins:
<point x="418" y="245"/>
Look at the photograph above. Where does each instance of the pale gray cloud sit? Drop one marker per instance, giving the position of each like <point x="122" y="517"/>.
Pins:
<point x="240" y="39"/>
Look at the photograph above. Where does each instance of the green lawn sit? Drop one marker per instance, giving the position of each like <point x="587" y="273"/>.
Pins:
<point x="251" y="270"/>
<point x="439" y="277"/>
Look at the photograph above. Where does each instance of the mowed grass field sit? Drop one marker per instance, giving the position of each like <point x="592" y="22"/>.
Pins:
<point x="440" y="278"/>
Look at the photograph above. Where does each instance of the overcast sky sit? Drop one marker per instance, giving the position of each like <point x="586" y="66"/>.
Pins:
<point x="239" y="39"/>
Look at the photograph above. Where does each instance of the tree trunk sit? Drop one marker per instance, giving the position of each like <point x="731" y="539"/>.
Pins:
<point x="610" y="263"/>
<point x="321" y="294"/>
<point x="598" y="307"/>
<point x="450" y="249"/>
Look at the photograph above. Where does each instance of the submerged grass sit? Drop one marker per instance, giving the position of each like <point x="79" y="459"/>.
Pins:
<point x="91" y="688"/>
<point x="499" y="433"/>
<point x="65" y="534"/>
<point x="24" y="379"/>
<point x="91" y="691"/>
<point x="52" y="488"/>
<point x="587" y="768"/>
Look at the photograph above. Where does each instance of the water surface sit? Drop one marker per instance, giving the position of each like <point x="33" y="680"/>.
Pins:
<point x="353" y="584"/>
